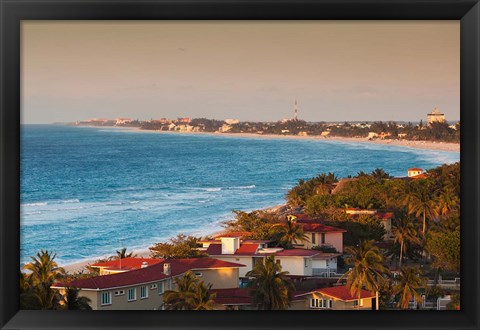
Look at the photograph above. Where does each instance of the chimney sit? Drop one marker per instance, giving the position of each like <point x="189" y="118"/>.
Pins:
<point x="144" y="264"/>
<point x="230" y="244"/>
<point x="166" y="268"/>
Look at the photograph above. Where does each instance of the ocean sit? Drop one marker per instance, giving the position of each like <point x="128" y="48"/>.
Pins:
<point x="87" y="192"/>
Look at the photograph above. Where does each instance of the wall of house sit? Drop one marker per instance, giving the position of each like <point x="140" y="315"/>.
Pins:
<point x="243" y="260"/>
<point x="333" y="239"/>
<point x="336" y="240"/>
<point x="153" y="301"/>
<point x="337" y="304"/>
<point x="296" y="265"/>
<point x="222" y="278"/>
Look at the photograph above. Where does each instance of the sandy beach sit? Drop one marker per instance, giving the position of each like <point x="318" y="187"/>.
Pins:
<point x="426" y="145"/>
<point x="145" y="252"/>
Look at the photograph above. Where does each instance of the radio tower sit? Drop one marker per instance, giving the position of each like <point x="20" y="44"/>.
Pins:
<point x="296" y="110"/>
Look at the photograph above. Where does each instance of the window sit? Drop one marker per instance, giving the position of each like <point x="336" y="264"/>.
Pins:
<point x="323" y="238"/>
<point x="160" y="288"/>
<point x="355" y="303"/>
<point x="306" y="262"/>
<point x="153" y="286"/>
<point x="320" y="303"/>
<point x="132" y="294"/>
<point x="198" y="274"/>
<point x="313" y="238"/>
<point x="120" y="293"/>
<point x="106" y="298"/>
<point x="143" y="292"/>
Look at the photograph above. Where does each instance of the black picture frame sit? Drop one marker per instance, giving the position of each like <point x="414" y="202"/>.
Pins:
<point x="13" y="11"/>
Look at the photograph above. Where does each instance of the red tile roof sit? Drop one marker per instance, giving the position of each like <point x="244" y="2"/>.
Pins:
<point x="342" y="293"/>
<point x="385" y="215"/>
<point x="415" y="169"/>
<point x="126" y="263"/>
<point x="149" y="274"/>
<point x="214" y="249"/>
<point x="321" y="228"/>
<point x="247" y="249"/>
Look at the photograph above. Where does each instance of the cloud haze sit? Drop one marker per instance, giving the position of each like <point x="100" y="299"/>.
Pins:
<point x="250" y="70"/>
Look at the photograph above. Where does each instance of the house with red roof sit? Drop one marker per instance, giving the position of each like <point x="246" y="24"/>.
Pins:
<point x="337" y="298"/>
<point x="143" y="288"/>
<point x="319" y="234"/>
<point x="298" y="262"/>
<point x="414" y="171"/>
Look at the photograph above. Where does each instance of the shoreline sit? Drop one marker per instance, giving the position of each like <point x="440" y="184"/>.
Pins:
<point x="425" y="145"/>
<point x="80" y="266"/>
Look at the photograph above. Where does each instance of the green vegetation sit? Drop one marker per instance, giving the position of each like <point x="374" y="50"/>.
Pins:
<point x="367" y="269"/>
<point x="71" y="300"/>
<point x="123" y="254"/>
<point x="405" y="234"/>
<point x="257" y="223"/>
<point x="287" y="234"/>
<point x="408" y="284"/>
<point x="181" y="246"/>
<point x="35" y="291"/>
<point x="270" y="288"/>
<point x="191" y="294"/>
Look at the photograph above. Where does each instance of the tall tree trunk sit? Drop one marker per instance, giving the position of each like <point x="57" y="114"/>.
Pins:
<point x="401" y="255"/>
<point x="424" y="220"/>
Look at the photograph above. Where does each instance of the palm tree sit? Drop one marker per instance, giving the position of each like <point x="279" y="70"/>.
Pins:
<point x="446" y="202"/>
<point x="289" y="233"/>
<point x="42" y="272"/>
<point x="269" y="287"/>
<point x="404" y="233"/>
<point x="421" y="203"/>
<point x="178" y="299"/>
<point x="379" y="174"/>
<point x="122" y="254"/>
<point x="71" y="300"/>
<point x="201" y="298"/>
<point x="407" y="285"/>
<point x="367" y="269"/>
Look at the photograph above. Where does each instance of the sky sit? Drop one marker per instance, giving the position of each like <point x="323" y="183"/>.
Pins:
<point x="247" y="70"/>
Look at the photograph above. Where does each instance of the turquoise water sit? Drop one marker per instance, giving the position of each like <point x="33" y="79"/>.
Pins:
<point x="86" y="192"/>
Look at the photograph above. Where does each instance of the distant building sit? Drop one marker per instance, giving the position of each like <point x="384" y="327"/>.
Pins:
<point x="185" y="120"/>
<point x="414" y="171"/>
<point x="435" y="116"/>
<point x="122" y="121"/>
<point x="232" y="121"/>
